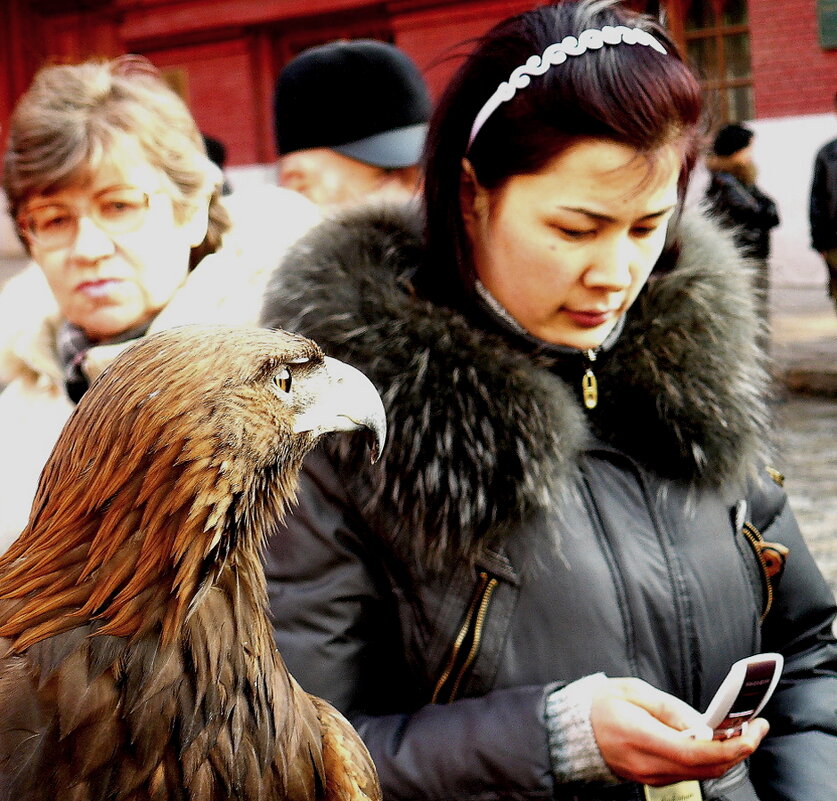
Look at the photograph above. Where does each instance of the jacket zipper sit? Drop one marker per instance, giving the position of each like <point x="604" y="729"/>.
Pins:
<point x="769" y="568"/>
<point x="466" y="645"/>
<point x="589" y="384"/>
<point x="688" y="652"/>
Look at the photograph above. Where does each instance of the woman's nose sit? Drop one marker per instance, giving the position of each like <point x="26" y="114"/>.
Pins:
<point x="91" y="243"/>
<point x="610" y="265"/>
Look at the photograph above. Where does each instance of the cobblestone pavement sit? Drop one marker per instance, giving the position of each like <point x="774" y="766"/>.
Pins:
<point x="804" y="341"/>
<point x="806" y="434"/>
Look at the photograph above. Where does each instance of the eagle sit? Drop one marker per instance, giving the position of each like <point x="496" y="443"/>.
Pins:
<point x="137" y="658"/>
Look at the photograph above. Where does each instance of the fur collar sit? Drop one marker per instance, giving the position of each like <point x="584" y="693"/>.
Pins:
<point x="744" y="172"/>
<point x="481" y="435"/>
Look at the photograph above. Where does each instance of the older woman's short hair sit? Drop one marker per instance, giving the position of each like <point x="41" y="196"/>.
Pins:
<point x="64" y="125"/>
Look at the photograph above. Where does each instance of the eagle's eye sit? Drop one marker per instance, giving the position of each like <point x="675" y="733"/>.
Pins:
<point x="283" y="379"/>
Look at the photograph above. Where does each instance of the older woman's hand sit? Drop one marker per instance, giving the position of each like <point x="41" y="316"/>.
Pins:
<point x="640" y="732"/>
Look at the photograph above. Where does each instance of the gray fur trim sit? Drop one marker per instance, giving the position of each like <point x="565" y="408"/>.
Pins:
<point x="481" y="435"/>
<point x="683" y="390"/>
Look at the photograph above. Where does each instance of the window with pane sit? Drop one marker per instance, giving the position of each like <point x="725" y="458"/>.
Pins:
<point x="717" y="39"/>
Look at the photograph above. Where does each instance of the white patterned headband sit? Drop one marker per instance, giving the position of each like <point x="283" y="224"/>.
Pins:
<point x="557" y="53"/>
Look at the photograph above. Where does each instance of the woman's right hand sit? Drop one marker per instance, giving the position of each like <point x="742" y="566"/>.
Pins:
<point x="640" y="733"/>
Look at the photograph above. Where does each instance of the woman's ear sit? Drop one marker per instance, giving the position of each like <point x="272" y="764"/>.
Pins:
<point x="473" y="198"/>
<point x="196" y="224"/>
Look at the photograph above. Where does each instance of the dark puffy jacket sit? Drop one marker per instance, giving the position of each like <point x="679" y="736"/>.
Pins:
<point x="746" y="209"/>
<point x="823" y="204"/>
<point x="509" y="541"/>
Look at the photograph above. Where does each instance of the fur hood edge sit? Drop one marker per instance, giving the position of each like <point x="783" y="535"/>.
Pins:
<point x="482" y="435"/>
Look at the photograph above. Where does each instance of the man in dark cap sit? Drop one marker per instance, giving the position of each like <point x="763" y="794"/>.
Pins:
<point x="823" y="209"/>
<point x="350" y="122"/>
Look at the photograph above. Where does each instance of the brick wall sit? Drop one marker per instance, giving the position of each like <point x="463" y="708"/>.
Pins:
<point x="218" y="85"/>
<point x="792" y="74"/>
<point x="230" y="89"/>
<point x="434" y="36"/>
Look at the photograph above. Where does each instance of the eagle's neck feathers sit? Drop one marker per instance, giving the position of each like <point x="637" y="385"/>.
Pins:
<point x="158" y="538"/>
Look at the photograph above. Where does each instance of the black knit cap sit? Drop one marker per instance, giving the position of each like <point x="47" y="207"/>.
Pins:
<point x="363" y="98"/>
<point x="730" y="139"/>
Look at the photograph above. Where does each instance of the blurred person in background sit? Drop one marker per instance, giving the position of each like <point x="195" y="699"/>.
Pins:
<point x="217" y="152"/>
<point x="119" y="208"/>
<point x="823" y="210"/>
<point x="732" y="195"/>
<point x="350" y="121"/>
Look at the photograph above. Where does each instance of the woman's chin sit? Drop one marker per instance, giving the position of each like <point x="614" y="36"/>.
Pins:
<point x="588" y="338"/>
<point x="101" y="327"/>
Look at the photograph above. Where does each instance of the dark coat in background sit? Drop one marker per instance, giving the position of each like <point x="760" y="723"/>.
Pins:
<point x="510" y="541"/>
<point x="823" y="201"/>
<point x="738" y="203"/>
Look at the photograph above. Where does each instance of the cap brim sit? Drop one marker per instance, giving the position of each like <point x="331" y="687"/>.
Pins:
<point x="400" y="147"/>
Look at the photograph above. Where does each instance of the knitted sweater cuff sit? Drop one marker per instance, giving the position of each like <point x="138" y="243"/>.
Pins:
<point x="573" y="750"/>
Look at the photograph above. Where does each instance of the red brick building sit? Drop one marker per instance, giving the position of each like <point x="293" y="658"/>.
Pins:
<point x="223" y="55"/>
<point x="771" y="62"/>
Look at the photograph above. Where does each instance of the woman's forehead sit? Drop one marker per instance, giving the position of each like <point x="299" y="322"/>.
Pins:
<point x="595" y="173"/>
<point x="120" y="161"/>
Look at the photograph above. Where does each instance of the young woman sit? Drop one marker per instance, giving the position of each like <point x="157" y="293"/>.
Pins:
<point x="107" y="177"/>
<point x="563" y="548"/>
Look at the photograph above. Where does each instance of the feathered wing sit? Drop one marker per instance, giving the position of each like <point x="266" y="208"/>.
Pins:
<point x="60" y="726"/>
<point x="93" y="716"/>
<point x="349" y="770"/>
<point x="23" y="724"/>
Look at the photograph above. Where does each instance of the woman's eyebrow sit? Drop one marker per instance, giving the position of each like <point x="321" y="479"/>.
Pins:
<point x="607" y="218"/>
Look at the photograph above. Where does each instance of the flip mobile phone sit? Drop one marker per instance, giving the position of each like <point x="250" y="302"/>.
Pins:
<point x="741" y="696"/>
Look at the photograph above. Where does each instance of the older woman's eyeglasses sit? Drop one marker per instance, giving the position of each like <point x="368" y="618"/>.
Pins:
<point x="55" y="225"/>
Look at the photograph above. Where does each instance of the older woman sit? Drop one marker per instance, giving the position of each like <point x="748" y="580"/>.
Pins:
<point x="119" y="207"/>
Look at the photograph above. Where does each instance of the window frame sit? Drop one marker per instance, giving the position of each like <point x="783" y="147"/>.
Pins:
<point x="713" y="81"/>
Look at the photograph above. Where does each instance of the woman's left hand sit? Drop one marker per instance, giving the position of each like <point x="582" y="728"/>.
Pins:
<point x="640" y="731"/>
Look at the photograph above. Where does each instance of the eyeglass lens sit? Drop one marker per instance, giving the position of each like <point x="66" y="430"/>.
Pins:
<point x="116" y="211"/>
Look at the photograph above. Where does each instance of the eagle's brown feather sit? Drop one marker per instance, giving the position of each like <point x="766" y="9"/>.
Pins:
<point x="136" y="656"/>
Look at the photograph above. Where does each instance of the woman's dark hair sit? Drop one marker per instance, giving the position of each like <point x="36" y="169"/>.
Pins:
<point x="632" y="94"/>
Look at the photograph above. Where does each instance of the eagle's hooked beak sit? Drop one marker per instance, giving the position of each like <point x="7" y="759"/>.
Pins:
<point x="340" y="398"/>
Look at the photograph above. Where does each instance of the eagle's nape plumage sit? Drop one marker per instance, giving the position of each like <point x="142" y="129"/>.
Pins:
<point x="136" y="656"/>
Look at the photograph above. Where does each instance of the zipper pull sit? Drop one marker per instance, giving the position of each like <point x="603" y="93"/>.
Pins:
<point x="589" y="385"/>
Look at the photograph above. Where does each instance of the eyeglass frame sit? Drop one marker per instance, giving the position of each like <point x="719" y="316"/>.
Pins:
<point x="24" y="218"/>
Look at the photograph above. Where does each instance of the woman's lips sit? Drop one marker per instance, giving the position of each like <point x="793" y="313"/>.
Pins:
<point x="590" y="319"/>
<point x="98" y="289"/>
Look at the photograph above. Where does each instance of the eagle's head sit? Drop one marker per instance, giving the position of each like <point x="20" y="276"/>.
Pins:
<point x="206" y="423"/>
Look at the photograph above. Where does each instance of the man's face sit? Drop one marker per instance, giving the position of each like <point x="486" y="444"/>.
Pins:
<point x="334" y="181"/>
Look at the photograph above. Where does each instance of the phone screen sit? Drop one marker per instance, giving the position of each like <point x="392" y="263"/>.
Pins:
<point x="757" y="679"/>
